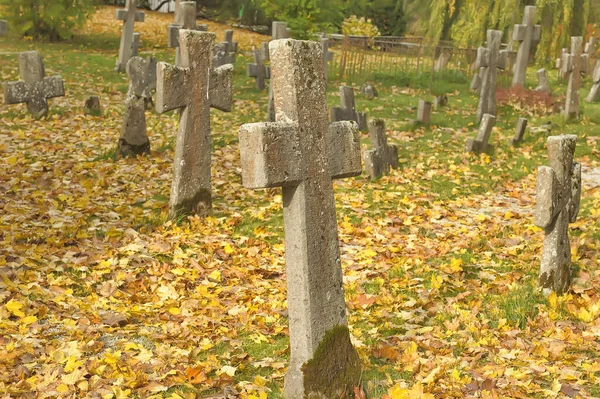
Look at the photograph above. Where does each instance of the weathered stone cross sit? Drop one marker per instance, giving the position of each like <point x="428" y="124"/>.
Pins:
<point x="527" y="34"/>
<point x="574" y="64"/>
<point x="491" y="59"/>
<point x="481" y="142"/>
<point x="194" y="87"/>
<point x="186" y="19"/>
<point x="347" y="112"/>
<point x="557" y="204"/>
<point x="302" y="153"/>
<point x="35" y="88"/>
<point x="226" y="51"/>
<point x="129" y="16"/>
<point x="383" y="156"/>
<point x="258" y="70"/>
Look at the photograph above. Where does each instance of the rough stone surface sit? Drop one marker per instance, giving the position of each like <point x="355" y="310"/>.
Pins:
<point x="142" y="80"/>
<point x="194" y="87"/>
<point x="35" y="88"/>
<point x="519" y="131"/>
<point x="129" y="16"/>
<point x="302" y="153"/>
<point x="279" y="30"/>
<point x="92" y="106"/>
<point x="369" y="91"/>
<point x="481" y="143"/>
<point x="424" y="112"/>
<point x="3" y="27"/>
<point x="383" y="156"/>
<point x="259" y="71"/>
<point x="527" y="34"/>
<point x="557" y="205"/>
<point x="491" y="59"/>
<point x="594" y="95"/>
<point x="347" y="111"/>
<point x="185" y="18"/>
<point x="573" y="64"/>
<point x="543" y="84"/>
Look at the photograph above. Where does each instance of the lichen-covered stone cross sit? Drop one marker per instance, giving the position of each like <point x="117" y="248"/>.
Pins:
<point x="195" y="87"/>
<point x="301" y="152"/>
<point x="129" y="16"/>
<point x="35" y="89"/>
<point x="383" y="156"/>
<point x="557" y="205"/>
<point x="259" y="71"/>
<point x="491" y="59"/>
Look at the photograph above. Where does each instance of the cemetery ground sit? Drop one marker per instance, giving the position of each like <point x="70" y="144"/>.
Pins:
<point x="101" y="295"/>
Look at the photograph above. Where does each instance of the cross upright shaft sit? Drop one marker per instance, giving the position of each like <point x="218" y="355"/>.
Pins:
<point x="129" y="16"/>
<point x="491" y="59"/>
<point x="527" y="33"/>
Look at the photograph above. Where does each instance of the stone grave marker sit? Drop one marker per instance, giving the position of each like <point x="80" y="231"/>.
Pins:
<point x="302" y="153"/>
<point x="481" y="143"/>
<point x="185" y="18"/>
<point x="594" y="95"/>
<point x="369" y="91"/>
<point x="574" y="64"/>
<point x="135" y="44"/>
<point x="528" y="34"/>
<point x="129" y="16"/>
<point x="476" y="81"/>
<point x="92" y="106"/>
<point x="35" y="88"/>
<point x="347" y="111"/>
<point x="543" y="84"/>
<point x="142" y="78"/>
<point x="557" y="205"/>
<point x="279" y="30"/>
<point x="194" y="87"/>
<point x="3" y="27"/>
<point x="562" y="73"/>
<point x="327" y="57"/>
<point x="226" y="51"/>
<point x="440" y="101"/>
<point x="519" y="132"/>
<point x="383" y="156"/>
<point x="491" y="59"/>
<point x="259" y="71"/>
<point x="423" y="113"/>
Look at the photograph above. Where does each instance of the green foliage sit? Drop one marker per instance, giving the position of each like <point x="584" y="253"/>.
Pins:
<point x="387" y="15"/>
<point x="354" y="26"/>
<point x="305" y="17"/>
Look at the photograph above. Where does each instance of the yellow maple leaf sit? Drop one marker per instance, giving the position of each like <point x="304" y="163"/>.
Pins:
<point x="15" y="308"/>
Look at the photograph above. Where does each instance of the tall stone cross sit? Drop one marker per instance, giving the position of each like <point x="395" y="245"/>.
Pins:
<point x="302" y="153"/>
<point x="129" y="16"/>
<point x="574" y="64"/>
<point x="35" y="88"/>
<point x="527" y="34"/>
<point x="481" y="142"/>
<point x="327" y="55"/>
<point x="383" y="156"/>
<point x="347" y="111"/>
<point x="594" y="95"/>
<point x="491" y="59"/>
<point x="258" y="70"/>
<point x="557" y="205"/>
<point x="186" y="19"/>
<point x="194" y="87"/>
<point x="279" y="30"/>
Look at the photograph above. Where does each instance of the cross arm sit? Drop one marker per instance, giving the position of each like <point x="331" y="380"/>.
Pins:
<point x="575" y="192"/>
<point x="170" y="83"/>
<point x="121" y="15"/>
<point x="502" y="59"/>
<point x="139" y="16"/>
<point x="271" y="155"/>
<point x="16" y="92"/>
<point x="519" y="32"/>
<point x="221" y="88"/>
<point x="566" y="63"/>
<point x="483" y="57"/>
<point x="343" y="142"/>
<point x="52" y="86"/>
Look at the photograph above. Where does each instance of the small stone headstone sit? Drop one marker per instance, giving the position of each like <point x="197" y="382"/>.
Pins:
<point x="594" y="95"/>
<point x="259" y="71"/>
<point x="3" y="27"/>
<point x="302" y="153"/>
<point x="492" y="59"/>
<point x="92" y="106"/>
<point x="347" y="111"/>
<point x="519" y="132"/>
<point x="574" y="64"/>
<point x="528" y="34"/>
<point x="481" y="143"/>
<point x="185" y="18"/>
<point x="194" y="87"/>
<point x="383" y="156"/>
<point x="543" y="84"/>
<point x="440" y="101"/>
<point x="369" y="91"/>
<point x="35" y="88"/>
<point x="142" y="77"/>
<point x="424" y="112"/>
<point x="129" y="16"/>
<point x="557" y="205"/>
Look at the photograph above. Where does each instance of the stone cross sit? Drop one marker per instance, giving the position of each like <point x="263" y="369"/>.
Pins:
<point x="232" y="47"/>
<point x="194" y="87"/>
<point x="279" y="30"/>
<point x="481" y="142"/>
<point x="594" y="95"/>
<point x="574" y="65"/>
<point x="519" y="132"/>
<point x="327" y="56"/>
<point x="35" y="88"/>
<point x="226" y="51"/>
<point x="543" y="84"/>
<point x="383" y="156"/>
<point x="3" y="27"/>
<point x="424" y="112"/>
<point x="302" y="153"/>
<point x="491" y="59"/>
<point x="129" y="16"/>
<point x="258" y="70"/>
<point x="347" y="112"/>
<point x="142" y="79"/>
<point x="185" y="18"/>
<point x="557" y="205"/>
<point x="559" y="64"/>
<point x="527" y="34"/>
